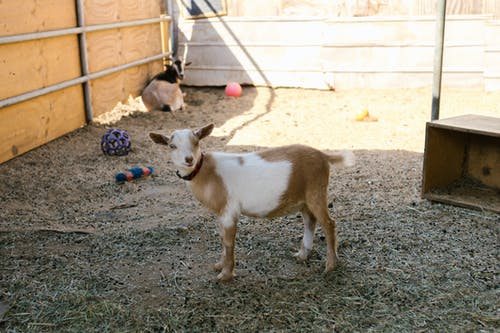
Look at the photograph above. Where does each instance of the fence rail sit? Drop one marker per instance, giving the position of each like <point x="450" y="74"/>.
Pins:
<point x="84" y="78"/>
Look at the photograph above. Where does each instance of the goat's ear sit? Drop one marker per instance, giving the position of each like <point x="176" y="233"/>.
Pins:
<point x="187" y="64"/>
<point x="203" y="132"/>
<point x="159" y="138"/>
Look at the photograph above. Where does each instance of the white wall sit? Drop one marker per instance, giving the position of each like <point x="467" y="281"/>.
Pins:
<point x="340" y="53"/>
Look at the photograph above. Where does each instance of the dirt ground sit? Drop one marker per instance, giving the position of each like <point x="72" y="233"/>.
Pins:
<point x="80" y="252"/>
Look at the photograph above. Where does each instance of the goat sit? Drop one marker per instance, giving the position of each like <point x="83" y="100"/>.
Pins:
<point x="163" y="92"/>
<point x="264" y="184"/>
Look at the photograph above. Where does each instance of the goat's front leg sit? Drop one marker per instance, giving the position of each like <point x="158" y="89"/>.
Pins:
<point x="219" y="264"/>
<point x="227" y="231"/>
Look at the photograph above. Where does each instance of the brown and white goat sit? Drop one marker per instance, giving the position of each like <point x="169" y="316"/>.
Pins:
<point x="268" y="183"/>
<point x="163" y="92"/>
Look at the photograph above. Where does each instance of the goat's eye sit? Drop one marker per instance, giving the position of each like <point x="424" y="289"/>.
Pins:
<point x="172" y="146"/>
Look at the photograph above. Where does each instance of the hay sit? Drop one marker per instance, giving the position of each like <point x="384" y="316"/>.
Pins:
<point x="406" y="265"/>
<point x="398" y="274"/>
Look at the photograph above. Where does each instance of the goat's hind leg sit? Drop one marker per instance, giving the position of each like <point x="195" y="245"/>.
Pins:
<point x="307" y="240"/>
<point x="329" y="228"/>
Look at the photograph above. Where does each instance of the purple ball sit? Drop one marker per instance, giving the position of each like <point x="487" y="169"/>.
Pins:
<point x="115" y="142"/>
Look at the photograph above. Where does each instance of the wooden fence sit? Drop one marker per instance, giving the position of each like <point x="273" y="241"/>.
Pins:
<point x="64" y="62"/>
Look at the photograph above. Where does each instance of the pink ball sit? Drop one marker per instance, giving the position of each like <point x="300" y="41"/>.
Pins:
<point x="233" y="89"/>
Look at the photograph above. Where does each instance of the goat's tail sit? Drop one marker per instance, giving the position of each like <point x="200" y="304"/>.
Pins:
<point x="345" y="158"/>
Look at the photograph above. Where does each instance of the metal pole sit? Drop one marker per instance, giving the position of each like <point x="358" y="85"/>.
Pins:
<point x="173" y="28"/>
<point x="438" y="58"/>
<point x="78" y="30"/>
<point x="170" y="12"/>
<point x="91" y="76"/>
<point x="40" y="92"/>
<point x="82" y="38"/>
<point x="104" y="72"/>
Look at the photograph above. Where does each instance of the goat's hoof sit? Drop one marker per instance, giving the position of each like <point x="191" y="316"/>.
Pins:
<point x="218" y="266"/>
<point x="302" y="255"/>
<point x="225" y="276"/>
<point x="329" y="268"/>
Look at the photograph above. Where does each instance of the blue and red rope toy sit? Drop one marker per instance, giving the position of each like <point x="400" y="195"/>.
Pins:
<point x="134" y="173"/>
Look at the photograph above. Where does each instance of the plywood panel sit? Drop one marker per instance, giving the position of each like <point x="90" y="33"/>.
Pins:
<point x="382" y="30"/>
<point x="107" y="92"/>
<point x="249" y="31"/>
<point x="108" y="11"/>
<point x="39" y="63"/>
<point x="457" y="7"/>
<point x="350" y="8"/>
<point x="30" y="124"/>
<point x="24" y="16"/>
<point x="492" y="49"/>
<point x="111" y="89"/>
<point x="492" y="55"/>
<point x="392" y="57"/>
<point x="443" y="157"/>
<point x="272" y="78"/>
<point x="104" y="49"/>
<point x="376" y="56"/>
<point x="262" y="51"/>
<point x="492" y="32"/>
<point x="464" y="7"/>
<point x="376" y="52"/>
<point x="379" y="31"/>
<point x="266" y="58"/>
<point x="407" y="77"/>
<point x="141" y="42"/>
<point x="484" y="160"/>
<point x="119" y="46"/>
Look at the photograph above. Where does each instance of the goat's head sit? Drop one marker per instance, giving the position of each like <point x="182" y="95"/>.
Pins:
<point x="178" y="66"/>
<point x="184" y="146"/>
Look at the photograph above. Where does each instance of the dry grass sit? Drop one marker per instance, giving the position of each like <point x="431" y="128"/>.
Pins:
<point x="80" y="253"/>
<point x="398" y="273"/>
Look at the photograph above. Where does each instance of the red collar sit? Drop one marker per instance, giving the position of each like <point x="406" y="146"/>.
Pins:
<point x="194" y="172"/>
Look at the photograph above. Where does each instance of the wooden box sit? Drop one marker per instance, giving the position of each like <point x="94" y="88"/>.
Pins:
<point x="462" y="162"/>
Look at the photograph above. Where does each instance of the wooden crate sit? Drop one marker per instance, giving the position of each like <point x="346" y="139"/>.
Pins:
<point x="462" y="162"/>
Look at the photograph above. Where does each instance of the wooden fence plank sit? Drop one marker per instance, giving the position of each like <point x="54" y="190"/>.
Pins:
<point x="108" y="11"/>
<point x="30" y="124"/>
<point x="453" y="7"/>
<point x="18" y="17"/>
<point x="38" y="63"/>
<point x="111" y="89"/>
<point x="118" y="46"/>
